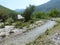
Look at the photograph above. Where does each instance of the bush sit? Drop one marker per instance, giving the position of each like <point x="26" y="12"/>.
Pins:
<point x="29" y="28"/>
<point x="9" y="21"/>
<point x="11" y="32"/>
<point x="26" y="24"/>
<point x="47" y="32"/>
<point x="11" y="44"/>
<point x="18" y="25"/>
<point x="40" y="36"/>
<point x="31" y="21"/>
<point x="3" y="36"/>
<point x="2" y="26"/>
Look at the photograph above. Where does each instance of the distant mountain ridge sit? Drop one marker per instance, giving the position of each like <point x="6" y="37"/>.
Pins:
<point x="19" y="10"/>
<point x="7" y="10"/>
<point x="48" y="6"/>
<point x="45" y="7"/>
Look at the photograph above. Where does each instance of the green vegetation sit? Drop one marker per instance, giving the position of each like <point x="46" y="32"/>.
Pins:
<point x="3" y="36"/>
<point x="41" y="15"/>
<point x="8" y="17"/>
<point x="28" y="12"/>
<point x="11" y="32"/>
<point x="18" y="25"/>
<point x="47" y="32"/>
<point x="54" y="13"/>
<point x="11" y="44"/>
<point x="48" y="6"/>
<point x="44" y="39"/>
<point x="6" y="13"/>
<point x="2" y="26"/>
<point x="9" y="21"/>
<point x="31" y="21"/>
<point x="44" y="15"/>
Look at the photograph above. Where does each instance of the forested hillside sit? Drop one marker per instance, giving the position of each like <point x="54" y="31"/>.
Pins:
<point x="7" y="13"/>
<point x="48" y="6"/>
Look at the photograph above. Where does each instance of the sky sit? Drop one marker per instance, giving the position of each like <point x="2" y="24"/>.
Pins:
<point x="21" y="4"/>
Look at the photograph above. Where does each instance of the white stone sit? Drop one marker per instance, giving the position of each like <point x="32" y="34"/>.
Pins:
<point x="20" y="17"/>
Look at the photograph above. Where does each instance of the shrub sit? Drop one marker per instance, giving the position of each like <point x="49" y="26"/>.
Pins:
<point x="31" y="21"/>
<point x="29" y="28"/>
<point x="47" y="32"/>
<point x="11" y="44"/>
<point x="2" y="26"/>
<point x="18" y="25"/>
<point x="9" y="21"/>
<point x="27" y="25"/>
<point x="11" y="32"/>
<point x="3" y="36"/>
<point x="40" y="36"/>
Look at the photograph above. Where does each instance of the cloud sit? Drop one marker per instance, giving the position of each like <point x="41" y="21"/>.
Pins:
<point x="38" y="2"/>
<point x="18" y="4"/>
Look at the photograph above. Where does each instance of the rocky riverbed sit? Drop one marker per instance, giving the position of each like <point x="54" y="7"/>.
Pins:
<point x="50" y="37"/>
<point x="9" y="31"/>
<point x="28" y="36"/>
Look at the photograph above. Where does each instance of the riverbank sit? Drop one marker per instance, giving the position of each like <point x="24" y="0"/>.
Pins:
<point x="10" y="31"/>
<point x="29" y="36"/>
<point x="50" y="37"/>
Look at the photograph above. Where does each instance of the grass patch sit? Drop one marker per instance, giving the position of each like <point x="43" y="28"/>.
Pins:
<point x="47" y="32"/>
<point x="11" y="44"/>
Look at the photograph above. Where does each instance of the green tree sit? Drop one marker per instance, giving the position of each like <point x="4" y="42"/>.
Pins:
<point x="7" y="13"/>
<point x="41" y="15"/>
<point x="28" y="12"/>
<point x="54" y="13"/>
<point x="3" y="16"/>
<point x="13" y="15"/>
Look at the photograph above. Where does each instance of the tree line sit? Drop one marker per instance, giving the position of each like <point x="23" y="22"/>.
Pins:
<point x="28" y="14"/>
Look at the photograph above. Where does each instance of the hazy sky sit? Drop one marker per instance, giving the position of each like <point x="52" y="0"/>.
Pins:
<point x="21" y="4"/>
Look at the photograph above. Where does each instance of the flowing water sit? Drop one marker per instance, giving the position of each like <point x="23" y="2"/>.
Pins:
<point x="29" y="36"/>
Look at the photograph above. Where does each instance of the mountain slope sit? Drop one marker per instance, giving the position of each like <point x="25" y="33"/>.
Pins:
<point x="7" y="13"/>
<point x="48" y="6"/>
<point x="6" y="10"/>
